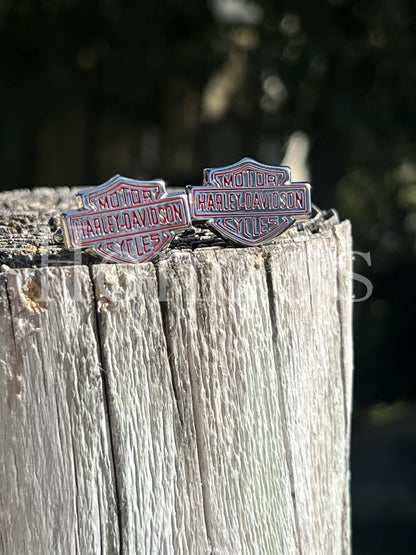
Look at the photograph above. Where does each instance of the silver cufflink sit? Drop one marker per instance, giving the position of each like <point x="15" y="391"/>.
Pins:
<point x="249" y="203"/>
<point x="126" y="220"/>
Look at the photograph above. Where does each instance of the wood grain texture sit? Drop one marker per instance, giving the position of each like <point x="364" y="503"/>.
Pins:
<point x="57" y="488"/>
<point x="260" y="344"/>
<point x="197" y="404"/>
<point x="220" y="339"/>
<point x="313" y="353"/>
<point x="156" y="458"/>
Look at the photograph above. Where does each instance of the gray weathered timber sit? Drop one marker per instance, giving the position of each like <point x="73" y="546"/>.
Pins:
<point x="156" y="458"/>
<point x="197" y="404"/>
<point x="307" y="306"/>
<point x="220" y="340"/>
<point x="57" y="482"/>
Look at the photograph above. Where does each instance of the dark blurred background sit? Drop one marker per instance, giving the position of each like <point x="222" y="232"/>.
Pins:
<point x="165" y="88"/>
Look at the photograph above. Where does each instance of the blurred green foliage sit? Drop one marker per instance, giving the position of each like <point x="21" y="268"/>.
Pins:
<point x="145" y="88"/>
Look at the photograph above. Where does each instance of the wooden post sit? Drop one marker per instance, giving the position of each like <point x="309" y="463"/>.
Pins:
<point x="198" y="404"/>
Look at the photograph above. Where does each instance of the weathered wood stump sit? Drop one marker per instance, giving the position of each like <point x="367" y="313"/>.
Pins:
<point x="198" y="404"/>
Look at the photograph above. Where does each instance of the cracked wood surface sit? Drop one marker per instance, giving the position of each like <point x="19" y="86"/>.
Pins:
<point x="197" y="404"/>
<point x="57" y="480"/>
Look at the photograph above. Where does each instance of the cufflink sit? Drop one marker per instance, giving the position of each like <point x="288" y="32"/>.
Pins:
<point x="249" y="203"/>
<point x="125" y="220"/>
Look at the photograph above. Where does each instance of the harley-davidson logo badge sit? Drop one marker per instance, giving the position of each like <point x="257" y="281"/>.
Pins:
<point x="248" y="202"/>
<point x="125" y="220"/>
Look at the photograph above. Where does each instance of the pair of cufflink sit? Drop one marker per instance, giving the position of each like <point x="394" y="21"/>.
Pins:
<point x="126" y="220"/>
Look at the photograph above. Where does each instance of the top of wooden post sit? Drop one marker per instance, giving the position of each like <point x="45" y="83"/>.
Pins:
<point x="30" y="218"/>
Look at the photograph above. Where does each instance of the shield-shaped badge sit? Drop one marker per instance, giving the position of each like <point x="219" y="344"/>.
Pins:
<point x="248" y="202"/>
<point x="125" y="220"/>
